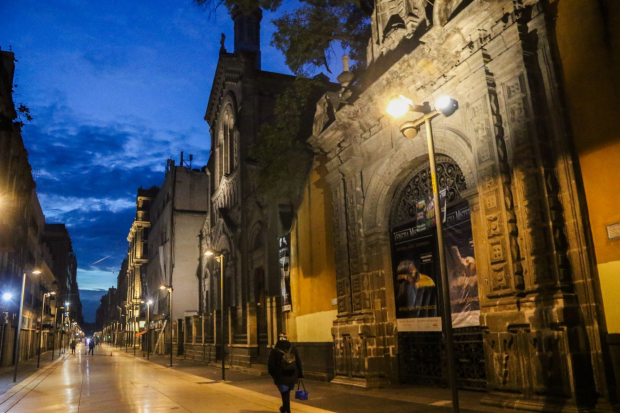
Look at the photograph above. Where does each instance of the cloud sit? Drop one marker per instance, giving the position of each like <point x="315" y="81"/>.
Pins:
<point x="56" y="205"/>
<point x="94" y="279"/>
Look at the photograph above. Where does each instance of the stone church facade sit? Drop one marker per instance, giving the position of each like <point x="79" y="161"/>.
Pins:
<point x="238" y="221"/>
<point x="507" y="153"/>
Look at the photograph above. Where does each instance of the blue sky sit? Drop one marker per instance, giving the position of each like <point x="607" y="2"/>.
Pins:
<point x="115" y="88"/>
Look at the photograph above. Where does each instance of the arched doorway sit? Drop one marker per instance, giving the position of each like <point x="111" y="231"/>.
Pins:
<point x="417" y="281"/>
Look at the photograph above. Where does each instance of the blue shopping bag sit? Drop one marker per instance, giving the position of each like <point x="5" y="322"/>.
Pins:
<point x="301" y="394"/>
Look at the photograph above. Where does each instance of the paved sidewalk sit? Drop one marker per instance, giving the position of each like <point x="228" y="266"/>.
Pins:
<point x="338" y="398"/>
<point x="123" y="383"/>
<point x="24" y="370"/>
<point x="118" y="382"/>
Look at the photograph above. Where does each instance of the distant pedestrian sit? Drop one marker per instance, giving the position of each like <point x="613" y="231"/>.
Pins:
<point x="73" y="344"/>
<point x="285" y="369"/>
<point x="91" y="347"/>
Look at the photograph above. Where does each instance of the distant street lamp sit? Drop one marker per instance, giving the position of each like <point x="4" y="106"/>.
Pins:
<point x="68" y="320"/>
<point x="19" y="324"/>
<point x="446" y="106"/>
<point x="219" y="256"/>
<point x="6" y="297"/>
<point x="55" y="330"/>
<point x="148" y="328"/>
<point x="41" y="328"/>
<point x="169" y="288"/>
<point x="135" y="327"/>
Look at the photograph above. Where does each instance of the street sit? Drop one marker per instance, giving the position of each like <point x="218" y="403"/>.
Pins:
<point x="123" y="383"/>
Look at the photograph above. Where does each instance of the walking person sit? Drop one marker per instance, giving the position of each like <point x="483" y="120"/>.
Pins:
<point x="285" y="368"/>
<point x="73" y="344"/>
<point x="91" y="347"/>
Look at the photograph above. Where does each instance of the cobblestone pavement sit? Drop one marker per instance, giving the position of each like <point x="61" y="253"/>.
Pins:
<point x="123" y="383"/>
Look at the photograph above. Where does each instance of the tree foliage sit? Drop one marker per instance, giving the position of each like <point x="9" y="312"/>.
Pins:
<point x="308" y="34"/>
<point x="281" y="153"/>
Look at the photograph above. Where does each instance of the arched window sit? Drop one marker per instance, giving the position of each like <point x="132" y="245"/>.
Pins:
<point x="220" y="156"/>
<point x="419" y="188"/>
<point x="226" y="142"/>
<point x="227" y="148"/>
<point x="230" y="140"/>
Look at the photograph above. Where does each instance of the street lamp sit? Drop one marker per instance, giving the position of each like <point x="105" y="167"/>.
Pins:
<point x="19" y="324"/>
<point x="41" y="328"/>
<point x="135" y="327"/>
<point x="219" y="256"/>
<point x="169" y="288"/>
<point x="148" y="328"/>
<point x="68" y="319"/>
<point x="446" y="106"/>
<point x="6" y="297"/>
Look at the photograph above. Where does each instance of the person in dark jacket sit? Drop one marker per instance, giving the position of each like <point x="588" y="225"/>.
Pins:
<point x="285" y="377"/>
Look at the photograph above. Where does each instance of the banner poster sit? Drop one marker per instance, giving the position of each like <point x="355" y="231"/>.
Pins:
<point x="285" y="272"/>
<point x="415" y="278"/>
<point x="416" y="270"/>
<point x="461" y="265"/>
<point x="425" y="211"/>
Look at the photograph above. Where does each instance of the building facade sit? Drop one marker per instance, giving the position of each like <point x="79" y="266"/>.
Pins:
<point x="534" y="335"/>
<point x="238" y="222"/>
<point x="24" y="243"/>
<point x="64" y="268"/>
<point x="137" y="258"/>
<point x="177" y="214"/>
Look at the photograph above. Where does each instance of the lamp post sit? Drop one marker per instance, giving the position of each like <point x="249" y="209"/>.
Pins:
<point x="445" y="106"/>
<point x="41" y="328"/>
<point x="135" y="325"/>
<point x="169" y="288"/>
<point x="67" y="304"/>
<point x="55" y="330"/>
<point x="62" y="323"/>
<point x="126" y="337"/>
<point x="19" y="324"/>
<point x="219" y="256"/>
<point x="6" y="297"/>
<point x="148" y="328"/>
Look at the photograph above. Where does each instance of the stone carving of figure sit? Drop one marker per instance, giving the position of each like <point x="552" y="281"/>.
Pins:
<point x="222" y="40"/>
<point x="322" y="115"/>
<point x="416" y="8"/>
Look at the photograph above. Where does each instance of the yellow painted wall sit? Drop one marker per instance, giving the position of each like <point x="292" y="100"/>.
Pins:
<point x="313" y="272"/>
<point x="588" y="36"/>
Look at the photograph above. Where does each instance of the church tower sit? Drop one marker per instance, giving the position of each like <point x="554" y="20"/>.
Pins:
<point x="247" y="32"/>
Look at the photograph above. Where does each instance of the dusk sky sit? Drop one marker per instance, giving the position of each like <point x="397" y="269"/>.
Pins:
<point x="115" y="88"/>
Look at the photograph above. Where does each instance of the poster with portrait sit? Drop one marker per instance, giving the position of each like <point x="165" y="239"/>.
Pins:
<point x="415" y="279"/>
<point x="461" y="266"/>
<point x="285" y="272"/>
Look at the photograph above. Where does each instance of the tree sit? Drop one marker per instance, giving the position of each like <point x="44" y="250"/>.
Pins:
<point x="283" y="158"/>
<point x="306" y="36"/>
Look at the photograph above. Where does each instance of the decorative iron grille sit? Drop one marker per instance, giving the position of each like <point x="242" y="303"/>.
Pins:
<point x="422" y="358"/>
<point x="449" y="177"/>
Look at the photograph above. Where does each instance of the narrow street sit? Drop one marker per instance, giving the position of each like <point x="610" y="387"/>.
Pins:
<point x="123" y="383"/>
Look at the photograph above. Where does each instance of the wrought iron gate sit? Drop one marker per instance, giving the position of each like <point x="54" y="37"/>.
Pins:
<point x="422" y="358"/>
